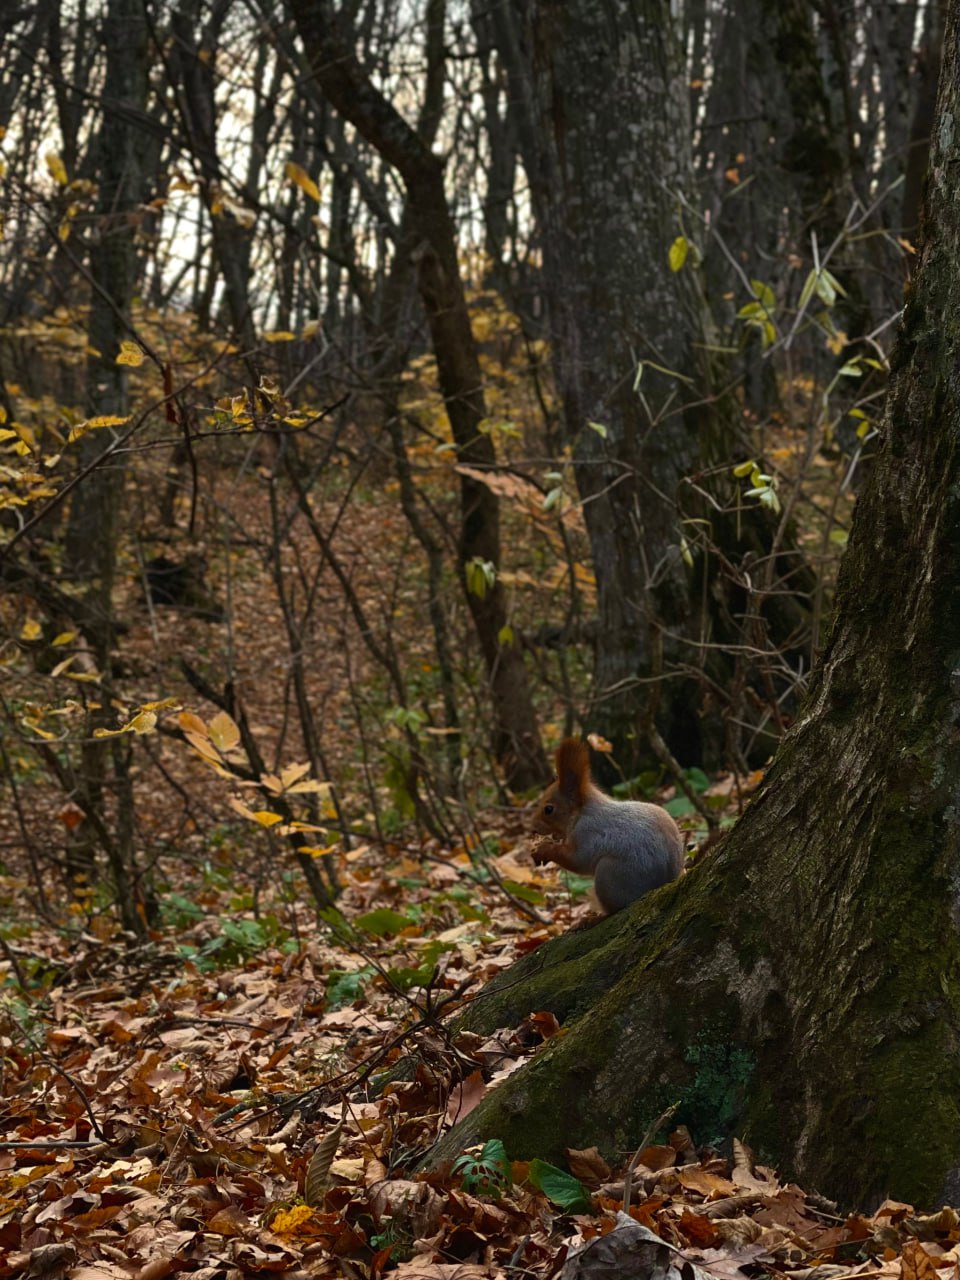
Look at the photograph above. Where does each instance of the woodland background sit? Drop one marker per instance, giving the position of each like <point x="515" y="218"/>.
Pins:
<point x="387" y="390"/>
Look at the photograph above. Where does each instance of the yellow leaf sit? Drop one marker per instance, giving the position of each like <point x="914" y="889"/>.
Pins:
<point x="311" y="787"/>
<point x="280" y="335"/>
<point x="109" y="419"/>
<point x="64" y="638"/>
<point x="31" y="630"/>
<point x="303" y="180"/>
<point x="266" y="818"/>
<point x="163" y="705"/>
<point x="293" y="773"/>
<point x="143" y="722"/>
<point x="130" y="353"/>
<point x="678" y="253"/>
<point x="223" y="731"/>
<point x="188" y="721"/>
<point x="312" y="852"/>
<point x="56" y="168"/>
<point x="203" y="747"/>
<point x="35" y="728"/>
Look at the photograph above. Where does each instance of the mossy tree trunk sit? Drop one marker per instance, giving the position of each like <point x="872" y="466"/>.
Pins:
<point x="801" y="987"/>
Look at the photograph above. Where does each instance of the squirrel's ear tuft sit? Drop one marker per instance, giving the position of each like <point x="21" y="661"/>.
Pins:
<point x="573" y="769"/>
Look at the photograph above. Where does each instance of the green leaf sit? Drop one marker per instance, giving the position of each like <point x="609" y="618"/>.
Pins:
<point x="679" y="807"/>
<point x="678" y="253"/>
<point x="833" y="282"/>
<point x="744" y="468"/>
<point x="764" y="294"/>
<point x="480" y="576"/>
<point x="806" y="293"/>
<point x="576" y="886"/>
<point x="525" y="892"/>
<point x="825" y="290"/>
<point x="599" y="428"/>
<point x="851" y="370"/>
<point x="551" y="499"/>
<point x="697" y="779"/>
<point x="560" y="1188"/>
<point x="751" y="311"/>
<point x="486" y="1174"/>
<point x="383" y="923"/>
<point x="505" y="636"/>
<point x="343" y="987"/>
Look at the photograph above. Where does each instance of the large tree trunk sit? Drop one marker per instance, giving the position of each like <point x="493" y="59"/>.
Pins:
<point x="327" y="40"/>
<point x="602" y="101"/>
<point x="802" y="985"/>
<point x="604" y="133"/>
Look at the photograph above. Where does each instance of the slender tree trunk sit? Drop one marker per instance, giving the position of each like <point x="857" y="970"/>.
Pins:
<point x="330" y="49"/>
<point x="93" y="528"/>
<point x="802" y="985"/>
<point x="193" y="69"/>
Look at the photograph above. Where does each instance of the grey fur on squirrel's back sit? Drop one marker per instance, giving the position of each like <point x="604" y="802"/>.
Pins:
<point x="645" y="845"/>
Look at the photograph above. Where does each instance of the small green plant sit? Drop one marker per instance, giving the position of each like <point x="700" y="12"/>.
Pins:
<point x="560" y="1188"/>
<point x="345" y="986"/>
<point x="237" y="941"/>
<point x="487" y="1173"/>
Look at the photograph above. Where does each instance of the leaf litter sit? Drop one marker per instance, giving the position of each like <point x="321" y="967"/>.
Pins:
<point x="162" y="1113"/>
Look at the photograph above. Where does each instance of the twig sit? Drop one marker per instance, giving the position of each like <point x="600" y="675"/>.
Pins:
<point x="628" y="1176"/>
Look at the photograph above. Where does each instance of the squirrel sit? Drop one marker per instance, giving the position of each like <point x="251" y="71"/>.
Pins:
<point x="628" y="847"/>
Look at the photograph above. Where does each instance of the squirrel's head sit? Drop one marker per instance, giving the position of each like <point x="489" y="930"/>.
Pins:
<point x="561" y="803"/>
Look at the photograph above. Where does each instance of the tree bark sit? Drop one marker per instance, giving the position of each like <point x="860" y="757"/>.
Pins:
<point x="603" y="102"/>
<point x="93" y="528"/>
<point x="331" y="53"/>
<point x="801" y="986"/>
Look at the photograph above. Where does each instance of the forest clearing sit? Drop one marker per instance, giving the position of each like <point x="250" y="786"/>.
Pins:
<point x="480" y="639"/>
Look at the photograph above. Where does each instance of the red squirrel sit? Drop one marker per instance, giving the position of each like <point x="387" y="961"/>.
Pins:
<point x="628" y="847"/>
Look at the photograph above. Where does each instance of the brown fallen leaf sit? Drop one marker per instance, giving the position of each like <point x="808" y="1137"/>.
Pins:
<point x="917" y="1264"/>
<point x="588" y="1165"/>
<point x="465" y="1096"/>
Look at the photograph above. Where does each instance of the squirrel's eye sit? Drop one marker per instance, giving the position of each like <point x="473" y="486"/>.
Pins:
<point x="548" y="808"/>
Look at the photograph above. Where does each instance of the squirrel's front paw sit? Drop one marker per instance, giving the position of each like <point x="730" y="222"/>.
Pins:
<point x="542" y="849"/>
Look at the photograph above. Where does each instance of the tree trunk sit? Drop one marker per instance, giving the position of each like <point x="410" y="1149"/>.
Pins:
<point x="93" y="528"/>
<point x="605" y="138"/>
<point x="801" y="986"/>
<point x="329" y="48"/>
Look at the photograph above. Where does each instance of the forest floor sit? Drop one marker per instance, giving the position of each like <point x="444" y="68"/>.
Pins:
<point x="205" y="1100"/>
